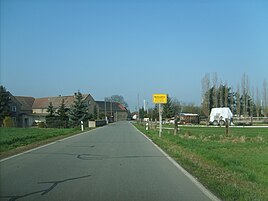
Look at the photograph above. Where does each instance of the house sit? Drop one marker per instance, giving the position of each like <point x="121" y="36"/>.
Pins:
<point x="26" y="111"/>
<point x="113" y="110"/>
<point x="21" y="110"/>
<point x="40" y="105"/>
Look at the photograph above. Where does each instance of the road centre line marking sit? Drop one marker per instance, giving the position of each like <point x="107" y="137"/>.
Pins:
<point x="187" y="174"/>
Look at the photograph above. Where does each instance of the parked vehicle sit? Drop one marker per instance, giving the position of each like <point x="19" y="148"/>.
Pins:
<point x="218" y="116"/>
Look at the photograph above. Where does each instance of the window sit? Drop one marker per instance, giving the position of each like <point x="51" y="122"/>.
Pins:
<point x="13" y="108"/>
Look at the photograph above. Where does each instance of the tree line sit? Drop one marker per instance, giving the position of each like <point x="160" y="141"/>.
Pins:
<point x="171" y="109"/>
<point x="244" y="101"/>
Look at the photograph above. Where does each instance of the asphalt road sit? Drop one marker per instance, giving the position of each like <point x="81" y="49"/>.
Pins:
<point x="112" y="163"/>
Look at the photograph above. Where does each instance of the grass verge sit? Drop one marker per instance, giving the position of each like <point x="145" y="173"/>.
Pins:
<point x="234" y="167"/>
<point x="16" y="140"/>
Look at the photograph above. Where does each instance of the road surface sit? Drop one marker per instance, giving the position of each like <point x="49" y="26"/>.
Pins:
<point x="112" y="163"/>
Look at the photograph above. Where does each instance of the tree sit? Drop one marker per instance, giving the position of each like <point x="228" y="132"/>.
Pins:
<point x="78" y="111"/>
<point x="176" y="106"/>
<point x="153" y="113"/>
<point x="191" y="108"/>
<point x="232" y="101"/>
<point x="142" y="113"/>
<point x="245" y="94"/>
<point x="95" y="113"/>
<point x="206" y="94"/>
<point x="227" y="95"/>
<point x="50" y="110"/>
<point x="258" y="103"/>
<point x="63" y="117"/>
<point x="220" y="92"/>
<point x="167" y="108"/>
<point x="118" y="99"/>
<point x="265" y="98"/>
<point x="214" y="91"/>
<point x="4" y="104"/>
<point x="51" y="119"/>
<point x="238" y="101"/>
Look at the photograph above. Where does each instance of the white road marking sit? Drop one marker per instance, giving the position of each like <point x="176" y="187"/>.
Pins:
<point x="187" y="174"/>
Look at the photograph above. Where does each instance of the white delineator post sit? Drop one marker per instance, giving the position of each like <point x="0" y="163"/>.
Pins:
<point x="82" y="125"/>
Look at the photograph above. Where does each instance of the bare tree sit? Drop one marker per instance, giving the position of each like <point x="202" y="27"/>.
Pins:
<point x="251" y="106"/>
<point x="226" y="94"/>
<point x="221" y="90"/>
<point x="215" y="86"/>
<point x="258" y="102"/>
<point x="231" y="100"/>
<point x="245" y="93"/>
<point x="265" y="98"/>
<point x="119" y="99"/>
<point x="206" y="94"/>
<point x="238" y="102"/>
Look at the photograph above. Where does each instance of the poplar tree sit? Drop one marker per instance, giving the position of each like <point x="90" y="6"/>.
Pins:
<point x="206" y="94"/>
<point x="265" y="98"/>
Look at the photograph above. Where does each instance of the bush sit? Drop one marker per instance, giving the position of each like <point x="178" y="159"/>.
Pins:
<point x="42" y="125"/>
<point x="8" y="122"/>
<point x="56" y="122"/>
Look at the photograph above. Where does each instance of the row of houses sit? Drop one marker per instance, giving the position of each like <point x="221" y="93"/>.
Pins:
<point x="27" y="111"/>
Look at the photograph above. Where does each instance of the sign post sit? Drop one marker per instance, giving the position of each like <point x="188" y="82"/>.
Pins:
<point x="160" y="99"/>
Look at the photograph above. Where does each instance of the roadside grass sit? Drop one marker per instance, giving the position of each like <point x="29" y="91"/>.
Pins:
<point x="234" y="167"/>
<point x="14" y="138"/>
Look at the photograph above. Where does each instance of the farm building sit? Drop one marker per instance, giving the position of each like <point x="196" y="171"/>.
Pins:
<point x="188" y="118"/>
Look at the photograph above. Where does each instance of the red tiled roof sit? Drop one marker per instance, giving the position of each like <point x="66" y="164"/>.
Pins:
<point x="41" y="103"/>
<point x="121" y="106"/>
<point x="108" y="105"/>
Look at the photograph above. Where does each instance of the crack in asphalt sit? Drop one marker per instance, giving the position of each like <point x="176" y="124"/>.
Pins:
<point x="54" y="184"/>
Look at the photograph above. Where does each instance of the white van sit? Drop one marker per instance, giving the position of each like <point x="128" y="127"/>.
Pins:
<point x="218" y="116"/>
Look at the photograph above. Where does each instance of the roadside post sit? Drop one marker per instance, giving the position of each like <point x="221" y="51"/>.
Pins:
<point x="82" y="126"/>
<point x="175" y="126"/>
<point x="160" y="99"/>
<point x="147" y="126"/>
<point x="226" y="127"/>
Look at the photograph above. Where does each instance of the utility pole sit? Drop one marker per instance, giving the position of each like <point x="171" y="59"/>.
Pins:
<point x="144" y="105"/>
<point x="138" y="107"/>
<point x="111" y="109"/>
<point x="105" y="109"/>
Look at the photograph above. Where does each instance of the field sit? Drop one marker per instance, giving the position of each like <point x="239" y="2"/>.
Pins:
<point x="234" y="167"/>
<point x="13" y="140"/>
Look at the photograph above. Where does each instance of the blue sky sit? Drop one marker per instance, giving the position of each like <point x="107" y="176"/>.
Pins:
<point x="53" y="47"/>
